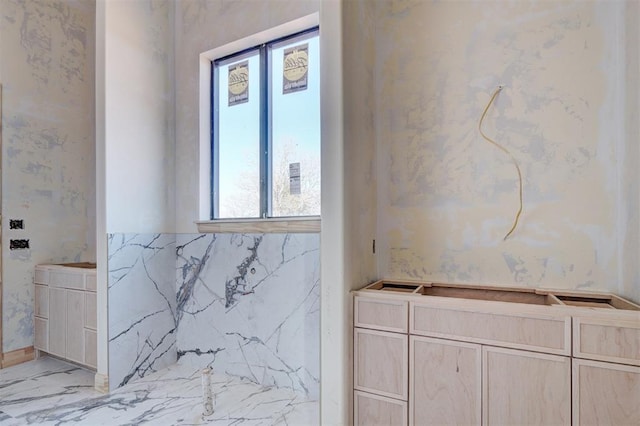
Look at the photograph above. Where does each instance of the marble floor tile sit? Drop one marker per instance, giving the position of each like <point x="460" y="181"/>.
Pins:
<point x="51" y="392"/>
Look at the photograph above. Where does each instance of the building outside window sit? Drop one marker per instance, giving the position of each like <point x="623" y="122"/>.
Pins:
<point x="266" y="130"/>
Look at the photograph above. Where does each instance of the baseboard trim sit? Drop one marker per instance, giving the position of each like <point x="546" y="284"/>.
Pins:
<point x="101" y="383"/>
<point x="18" y="356"/>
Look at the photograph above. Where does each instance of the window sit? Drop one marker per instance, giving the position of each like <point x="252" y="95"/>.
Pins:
<point x="265" y="130"/>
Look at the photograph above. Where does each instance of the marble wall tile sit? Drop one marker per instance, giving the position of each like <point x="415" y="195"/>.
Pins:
<point x="248" y="306"/>
<point x="142" y="305"/>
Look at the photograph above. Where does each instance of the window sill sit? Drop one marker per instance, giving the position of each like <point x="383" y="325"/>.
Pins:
<point x="287" y="225"/>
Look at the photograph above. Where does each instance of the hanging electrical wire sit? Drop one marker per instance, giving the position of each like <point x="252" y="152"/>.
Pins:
<point x="506" y="151"/>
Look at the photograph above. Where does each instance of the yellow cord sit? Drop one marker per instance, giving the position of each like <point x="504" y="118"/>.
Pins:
<point x="506" y="151"/>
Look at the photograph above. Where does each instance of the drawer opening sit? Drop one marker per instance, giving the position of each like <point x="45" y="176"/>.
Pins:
<point x="497" y="295"/>
<point x="399" y="287"/>
<point x="610" y="302"/>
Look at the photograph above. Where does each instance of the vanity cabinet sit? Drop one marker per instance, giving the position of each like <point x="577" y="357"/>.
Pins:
<point x="380" y="346"/>
<point x="605" y="393"/>
<point x="445" y="382"/>
<point x="494" y="356"/>
<point x="375" y="410"/>
<point x="523" y="387"/>
<point x="606" y="370"/>
<point x="65" y="312"/>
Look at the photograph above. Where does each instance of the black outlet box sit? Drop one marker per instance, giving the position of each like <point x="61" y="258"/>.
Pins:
<point x="16" y="224"/>
<point x="18" y="244"/>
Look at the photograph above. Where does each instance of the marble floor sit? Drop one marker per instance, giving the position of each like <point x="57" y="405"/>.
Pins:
<point x="51" y="392"/>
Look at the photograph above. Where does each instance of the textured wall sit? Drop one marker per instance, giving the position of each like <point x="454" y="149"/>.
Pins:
<point x="139" y="116"/>
<point x="48" y="157"/>
<point x="197" y="30"/>
<point x="447" y="197"/>
<point x="360" y="167"/>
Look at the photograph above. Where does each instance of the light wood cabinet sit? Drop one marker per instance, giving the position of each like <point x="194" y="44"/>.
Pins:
<point x="525" y="388"/>
<point x="533" y="330"/>
<point x="381" y="367"/>
<point x="41" y="334"/>
<point x="386" y="315"/>
<point x="607" y="339"/>
<point x="57" y="322"/>
<point x="382" y="363"/>
<point x="65" y="313"/>
<point x="494" y="356"/>
<point x="445" y="382"/>
<point x="605" y="393"/>
<point x="375" y="410"/>
<point x="75" y="326"/>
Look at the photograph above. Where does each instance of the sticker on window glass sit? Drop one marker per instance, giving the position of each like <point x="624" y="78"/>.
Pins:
<point x="294" y="178"/>
<point x="239" y="83"/>
<point x="295" y="69"/>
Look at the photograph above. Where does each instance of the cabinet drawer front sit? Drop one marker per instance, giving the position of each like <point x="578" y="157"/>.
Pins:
<point x="388" y="315"/>
<point x="91" y="282"/>
<point x="607" y="340"/>
<point x="605" y="393"/>
<point x="66" y="280"/>
<point x="41" y="337"/>
<point x="381" y="363"/>
<point x="533" y="331"/>
<point x="370" y="409"/>
<point x="42" y="301"/>
<point x="41" y="276"/>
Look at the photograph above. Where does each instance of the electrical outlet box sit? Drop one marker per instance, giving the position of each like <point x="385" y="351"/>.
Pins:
<point x="16" y="224"/>
<point x="18" y="244"/>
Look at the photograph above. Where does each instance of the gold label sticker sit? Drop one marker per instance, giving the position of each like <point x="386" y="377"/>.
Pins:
<point x="239" y="83"/>
<point x="295" y="69"/>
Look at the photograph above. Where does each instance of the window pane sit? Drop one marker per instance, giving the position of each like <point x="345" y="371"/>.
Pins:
<point x="295" y="131"/>
<point x="238" y="162"/>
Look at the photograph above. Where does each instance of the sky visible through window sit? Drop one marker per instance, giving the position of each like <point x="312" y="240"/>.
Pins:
<point x="295" y="130"/>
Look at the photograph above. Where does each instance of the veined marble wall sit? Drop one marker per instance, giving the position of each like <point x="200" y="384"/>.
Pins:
<point x="142" y="305"/>
<point x="249" y="306"/>
<point x="48" y="151"/>
<point x="244" y="304"/>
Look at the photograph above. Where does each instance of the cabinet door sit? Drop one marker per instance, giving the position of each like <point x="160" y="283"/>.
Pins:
<point x="381" y="362"/>
<point x="42" y="301"/>
<point x="75" y="325"/>
<point x="605" y="393"/>
<point x="90" y="348"/>
<point x="90" y="312"/>
<point x="41" y="334"/>
<point x="374" y="410"/>
<point x="57" y="321"/>
<point x="445" y="382"/>
<point x="524" y="388"/>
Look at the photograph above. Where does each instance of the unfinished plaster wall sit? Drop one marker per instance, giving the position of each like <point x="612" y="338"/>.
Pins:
<point x="447" y="198"/>
<point x="48" y="180"/>
<point x="359" y="181"/>
<point x="139" y="116"/>
<point x="629" y="190"/>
